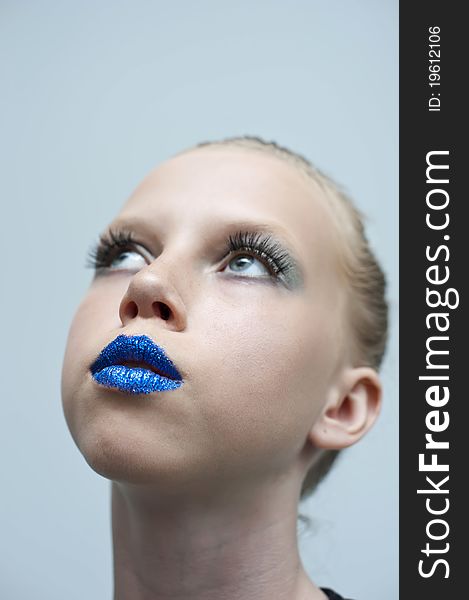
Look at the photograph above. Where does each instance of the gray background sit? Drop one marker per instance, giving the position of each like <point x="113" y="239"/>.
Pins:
<point x="93" y="95"/>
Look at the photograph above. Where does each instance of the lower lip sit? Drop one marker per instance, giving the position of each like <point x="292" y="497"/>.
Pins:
<point x="134" y="380"/>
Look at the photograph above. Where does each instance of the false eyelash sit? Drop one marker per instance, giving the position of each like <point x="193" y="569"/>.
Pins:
<point x="264" y="246"/>
<point x="101" y="254"/>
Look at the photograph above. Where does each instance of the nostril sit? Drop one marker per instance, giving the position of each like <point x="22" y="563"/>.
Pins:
<point x="131" y="310"/>
<point x="163" y="310"/>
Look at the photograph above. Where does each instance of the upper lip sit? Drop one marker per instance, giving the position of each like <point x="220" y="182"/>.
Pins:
<point x="139" y="349"/>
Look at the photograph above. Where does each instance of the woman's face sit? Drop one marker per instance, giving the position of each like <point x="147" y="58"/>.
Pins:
<point x="257" y="340"/>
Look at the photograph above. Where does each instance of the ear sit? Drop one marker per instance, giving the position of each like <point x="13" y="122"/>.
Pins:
<point x="350" y="411"/>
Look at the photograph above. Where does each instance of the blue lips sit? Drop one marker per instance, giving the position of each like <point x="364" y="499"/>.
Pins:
<point x="109" y="371"/>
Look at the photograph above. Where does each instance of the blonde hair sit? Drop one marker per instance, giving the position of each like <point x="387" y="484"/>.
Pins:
<point x="368" y="309"/>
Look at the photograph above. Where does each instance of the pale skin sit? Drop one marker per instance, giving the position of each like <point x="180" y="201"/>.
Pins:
<point x="206" y="478"/>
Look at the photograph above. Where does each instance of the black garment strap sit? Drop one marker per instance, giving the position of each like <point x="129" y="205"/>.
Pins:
<point x="332" y="595"/>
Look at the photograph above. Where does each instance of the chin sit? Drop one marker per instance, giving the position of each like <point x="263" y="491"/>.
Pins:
<point x="123" y="456"/>
<point x="113" y="454"/>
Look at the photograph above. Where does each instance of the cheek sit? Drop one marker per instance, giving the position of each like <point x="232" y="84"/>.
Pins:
<point x="269" y="369"/>
<point x="94" y="318"/>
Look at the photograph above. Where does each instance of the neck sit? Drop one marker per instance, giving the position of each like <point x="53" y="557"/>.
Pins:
<point x="180" y="549"/>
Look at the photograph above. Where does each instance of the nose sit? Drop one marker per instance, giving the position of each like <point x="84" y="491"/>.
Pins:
<point x="151" y="295"/>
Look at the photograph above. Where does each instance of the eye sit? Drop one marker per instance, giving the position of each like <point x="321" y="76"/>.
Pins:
<point x="247" y="265"/>
<point x="127" y="259"/>
<point x="116" y="250"/>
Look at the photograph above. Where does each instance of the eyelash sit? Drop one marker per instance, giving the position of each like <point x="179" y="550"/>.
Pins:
<point x="260" y="245"/>
<point x="103" y="252"/>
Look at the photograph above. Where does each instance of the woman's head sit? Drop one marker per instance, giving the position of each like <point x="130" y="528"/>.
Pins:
<point x="245" y="269"/>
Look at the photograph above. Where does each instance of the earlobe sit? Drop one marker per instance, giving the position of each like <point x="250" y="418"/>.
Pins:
<point x="350" y="411"/>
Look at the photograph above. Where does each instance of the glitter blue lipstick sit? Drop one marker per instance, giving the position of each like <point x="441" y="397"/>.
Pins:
<point x="153" y="370"/>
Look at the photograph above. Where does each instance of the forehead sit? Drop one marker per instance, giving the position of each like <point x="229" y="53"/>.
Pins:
<point x="207" y="188"/>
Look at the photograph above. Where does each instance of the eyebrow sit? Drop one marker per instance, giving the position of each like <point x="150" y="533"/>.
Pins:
<point x="278" y="235"/>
